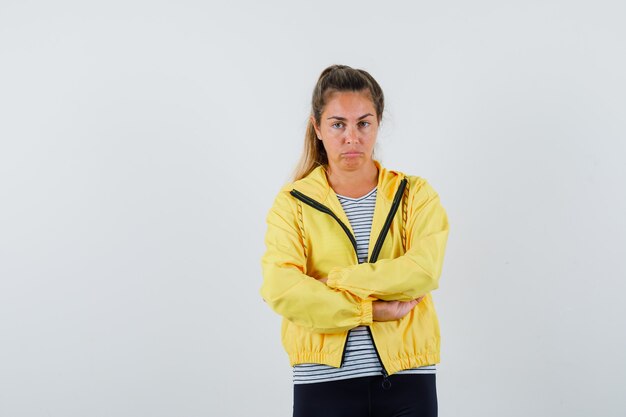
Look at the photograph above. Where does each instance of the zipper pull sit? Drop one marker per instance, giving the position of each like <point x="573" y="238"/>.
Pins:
<point x="386" y="382"/>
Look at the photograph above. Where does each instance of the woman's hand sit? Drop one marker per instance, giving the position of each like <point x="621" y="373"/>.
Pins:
<point x="392" y="310"/>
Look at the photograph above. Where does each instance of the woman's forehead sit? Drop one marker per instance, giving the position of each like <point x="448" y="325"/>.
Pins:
<point x="356" y="103"/>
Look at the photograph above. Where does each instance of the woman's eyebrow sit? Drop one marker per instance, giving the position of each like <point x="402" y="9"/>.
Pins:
<point x="343" y="118"/>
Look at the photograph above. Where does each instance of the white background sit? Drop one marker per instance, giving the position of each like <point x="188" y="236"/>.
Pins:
<point x="142" y="143"/>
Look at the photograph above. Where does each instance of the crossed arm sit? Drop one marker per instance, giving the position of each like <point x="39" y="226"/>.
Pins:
<point x="350" y="296"/>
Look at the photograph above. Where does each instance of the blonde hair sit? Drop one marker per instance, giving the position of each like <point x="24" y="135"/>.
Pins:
<point x="333" y="79"/>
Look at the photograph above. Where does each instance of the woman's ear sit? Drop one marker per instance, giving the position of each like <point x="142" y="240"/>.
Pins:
<point x="316" y="127"/>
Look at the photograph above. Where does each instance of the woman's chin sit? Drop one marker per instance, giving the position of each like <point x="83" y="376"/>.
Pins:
<point x="353" y="162"/>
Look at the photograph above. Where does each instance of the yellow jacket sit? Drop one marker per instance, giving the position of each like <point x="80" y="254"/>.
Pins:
<point x="309" y="237"/>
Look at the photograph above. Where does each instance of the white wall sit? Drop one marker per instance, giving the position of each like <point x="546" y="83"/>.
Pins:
<point x="143" y="142"/>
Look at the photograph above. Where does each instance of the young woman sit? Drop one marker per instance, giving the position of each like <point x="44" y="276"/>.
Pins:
<point x="353" y="252"/>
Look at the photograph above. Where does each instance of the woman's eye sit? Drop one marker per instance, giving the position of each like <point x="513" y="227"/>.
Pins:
<point x="337" y="125"/>
<point x="365" y="124"/>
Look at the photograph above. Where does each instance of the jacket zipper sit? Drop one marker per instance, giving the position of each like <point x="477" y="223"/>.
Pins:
<point x="386" y="382"/>
<point x="383" y="233"/>
<point x="375" y="252"/>
<point x="308" y="200"/>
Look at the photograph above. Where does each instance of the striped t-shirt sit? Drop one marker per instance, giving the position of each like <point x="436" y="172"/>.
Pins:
<point x="360" y="356"/>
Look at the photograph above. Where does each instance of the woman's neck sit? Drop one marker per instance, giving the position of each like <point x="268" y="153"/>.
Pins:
<point x="353" y="184"/>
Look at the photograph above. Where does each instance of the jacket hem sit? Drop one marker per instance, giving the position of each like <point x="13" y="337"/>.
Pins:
<point x="408" y="362"/>
<point x="333" y="360"/>
<point x="391" y="366"/>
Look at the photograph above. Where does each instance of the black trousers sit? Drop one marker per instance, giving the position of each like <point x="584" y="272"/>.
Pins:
<point x="408" y="395"/>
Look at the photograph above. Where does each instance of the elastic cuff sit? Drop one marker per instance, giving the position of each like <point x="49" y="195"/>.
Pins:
<point x="366" y="312"/>
<point x="333" y="278"/>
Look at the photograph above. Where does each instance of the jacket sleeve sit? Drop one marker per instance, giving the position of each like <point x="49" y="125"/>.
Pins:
<point x="294" y="295"/>
<point x="417" y="271"/>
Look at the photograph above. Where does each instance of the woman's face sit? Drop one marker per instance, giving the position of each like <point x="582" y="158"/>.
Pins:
<point x="348" y="128"/>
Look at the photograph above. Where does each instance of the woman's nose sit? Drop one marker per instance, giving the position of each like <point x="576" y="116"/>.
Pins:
<point x="351" y="134"/>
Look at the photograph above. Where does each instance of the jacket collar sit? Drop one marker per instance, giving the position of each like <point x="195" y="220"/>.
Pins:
<point x="316" y="186"/>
